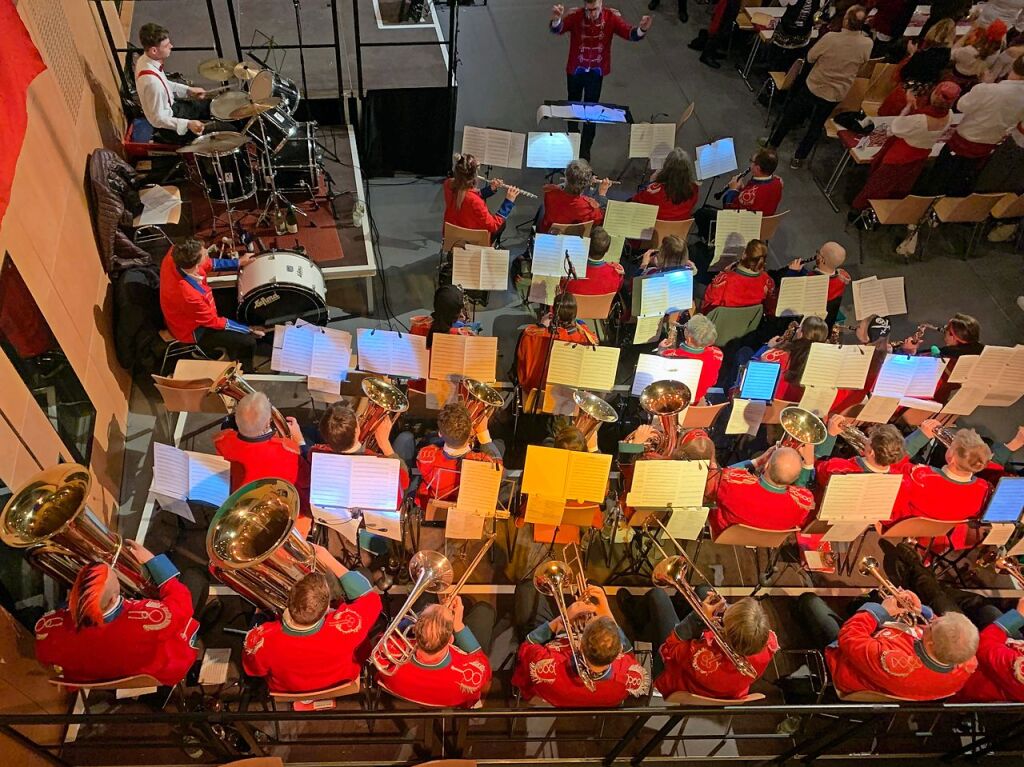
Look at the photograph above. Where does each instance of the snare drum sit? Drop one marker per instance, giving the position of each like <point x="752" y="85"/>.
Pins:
<point x="298" y="167"/>
<point x="281" y="286"/>
<point x="267" y="83"/>
<point x="229" y="172"/>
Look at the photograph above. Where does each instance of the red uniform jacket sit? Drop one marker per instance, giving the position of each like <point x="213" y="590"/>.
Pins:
<point x="532" y="349"/>
<point x="473" y="214"/>
<point x="328" y="654"/>
<point x="928" y="492"/>
<point x="712" y="358"/>
<point x="654" y="194"/>
<point x="187" y="305"/>
<point x="259" y="458"/>
<point x="459" y="681"/>
<point x="138" y="636"/>
<point x="875" y="654"/>
<point x="762" y="195"/>
<point x="696" y="664"/>
<point x="441" y="471"/>
<point x="738" y="287"/>
<point x="590" y="42"/>
<point x="829" y="467"/>
<point x="1000" y="674"/>
<point x="601" y="278"/>
<point x="547" y="671"/>
<point x="560" y="207"/>
<point x="750" y="500"/>
<point x="784" y="390"/>
<point x="837" y="283"/>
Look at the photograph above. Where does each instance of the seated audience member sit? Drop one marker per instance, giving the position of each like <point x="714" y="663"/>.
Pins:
<point x="186" y="301"/>
<point x="792" y="356"/>
<point x="761" y="191"/>
<point x="828" y="260"/>
<point x="920" y="69"/>
<point x="535" y="340"/>
<point x="312" y="647"/>
<point x="672" y="254"/>
<point x="449" y="668"/>
<point x="884" y="453"/>
<point x="449" y="316"/>
<point x="545" y="667"/>
<point x="900" y="161"/>
<point x="699" y="334"/>
<point x="440" y="464"/>
<point x="102" y="636"/>
<point x="567" y="204"/>
<point x="254" y="449"/>
<point x="674" y="188"/>
<point x="975" y="52"/>
<point x="464" y="204"/>
<point x="746" y="283"/>
<point x="874" y="652"/>
<point x="763" y="493"/>
<point x="601" y="277"/>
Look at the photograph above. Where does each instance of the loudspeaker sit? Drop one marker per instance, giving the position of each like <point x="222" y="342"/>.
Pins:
<point x="408" y="130"/>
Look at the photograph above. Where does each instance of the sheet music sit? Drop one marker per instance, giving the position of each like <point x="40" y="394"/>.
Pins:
<point x="170" y="471"/>
<point x="479" y="483"/>
<point x="158" y="206"/>
<point x="483" y="269"/>
<point x="733" y="230"/>
<point x="878" y="409"/>
<point x="885" y="298"/>
<point x="558" y="400"/>
<point x="926" y="376"/>
<point x="715" y="159"/>
<point x="582" y="366"/>
<point x="803" y="296"/>
<point x="598" y="113"/>
<point x="464" y="357"/>
<point x="1007" y="501"/>
<point x="332" y="353"/>
<point x="905" y="376"/>
<point x="503" y="149"/>
<point x="296" y="353"/>
<point x="963" y="369"/>
<point x="614" y="254"/>
<point x="544" y="472"/>
<point x="677" y="484"/>
<point x="563" y="111"/>
<point x="552" y="150"/>
<point x="398" y="354"/>
<point x="481" y="360"/>
<point x="1011" y="380"/>
<point x="354" y="481"/>
<point x="686" y="524"/>
<point x="474" y="142"/>
<point x="838" y="367"/>
<point x="860" y="497"/>
<point x="746" y="416"/>
<point x="214" y="669"/>
<point x="630" y="219"/>
<point x="895" y="295"/>
<point x="651" y="368"/>
<point x="323" y="386"/>
<point x="990" y="365"/>
<point x="463" y="526"/>
<point x="760" y="380"/>
<point x="928" y="405"/>
<point x="541" y="510"/>
<point x="663" y="293"/>
<point x="647" y="329"/>
<point x="965" y="400"/>
<point x="818" y="399"/>
<point x="651" y="139"/>
<point x="549" y="254"/>
<point x="587" y="476"/>
<point x="387" y="524"/>
<point x="209" y="478"/>
<point x="543" y="289"/>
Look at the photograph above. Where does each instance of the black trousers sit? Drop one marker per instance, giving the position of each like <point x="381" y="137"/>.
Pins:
<point x="803" y="105"/>
<point x="236" y="346"/>
<point x="585" y="86"/>
<point x="954" y="175"/>
<point x="187" y="109"/>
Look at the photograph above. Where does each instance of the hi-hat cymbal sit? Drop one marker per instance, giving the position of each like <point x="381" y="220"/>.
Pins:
<point x="218" y="70"/>
<point x="217" y="143"/>
<point x="246" y="71"/>
<point x="256" y="108"/>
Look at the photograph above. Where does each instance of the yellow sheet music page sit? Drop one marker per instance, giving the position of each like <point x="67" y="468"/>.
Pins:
<point x="597" y="370"/>
<point x="481" y="358"/>
<point x="587" y="476"/>
<point x="545" y="471"/>
<point x="565" y="364"/>
<point x="541" y="510"/>
<point x="446" y="356"/>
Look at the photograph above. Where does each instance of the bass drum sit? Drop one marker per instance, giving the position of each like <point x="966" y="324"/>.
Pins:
<point x="298" y="167"/>
<point x="267" y="83"/>
<point x="281" y="286"/>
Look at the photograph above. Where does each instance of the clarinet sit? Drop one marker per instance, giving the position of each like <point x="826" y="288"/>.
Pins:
<point x="719" y="194"/>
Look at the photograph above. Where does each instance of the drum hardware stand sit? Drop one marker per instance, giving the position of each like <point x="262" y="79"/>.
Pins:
<point x="275" y="197"/>
<point x="228" y="209"/>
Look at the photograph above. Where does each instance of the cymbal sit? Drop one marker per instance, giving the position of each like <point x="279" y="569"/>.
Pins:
<point x="246" y="71"/>
<point x="218" y="70"/>
<point x="256" y="108"/>
<point x="217" y="143"/>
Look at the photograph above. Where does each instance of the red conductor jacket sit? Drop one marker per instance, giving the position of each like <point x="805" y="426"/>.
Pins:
<point x="590" y="42"/>
<point x="473" y="214"/>
<point x="738" y="287"/>
<point x="654" y="194"/>
<point x="441" y="471"/>
<point x="458" y="681"/>
<point x="744" y="498"/>
<point x="712" y="358"/>
<point x="138" y="636"/>
<point x="1000" y="674"/>
<point x="696" y="664"/>
<point x="258" y="457"/>
<point x="875" y="654"/>
<point x="545" y="669"/>
<point x="601" y="278"/>
<point x="758" y="194"/>
<point x="532" y="349"/>
<point x="319" y="657"/>
<point x="560" y="207"/>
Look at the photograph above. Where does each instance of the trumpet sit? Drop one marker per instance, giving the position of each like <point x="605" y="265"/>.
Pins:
<point x="503" y="185"/>
<point x="593" y="412"/>
<point x="916" y="337"/>
<point x="671" y="572"/>
<point x="385" y="399"/>
<point x="231" y="384"/>
<point x="995" y="558"/>
<point x="909" y="614"/>
<point x="553" y="579"/>
<point x="666" y="399"/>
<point x="802" y="427"/>
<point x="480" y="400"/>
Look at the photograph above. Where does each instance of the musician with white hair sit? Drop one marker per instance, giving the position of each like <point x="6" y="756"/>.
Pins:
<point x="698" y="343"/>
<point x="254" y="449"/>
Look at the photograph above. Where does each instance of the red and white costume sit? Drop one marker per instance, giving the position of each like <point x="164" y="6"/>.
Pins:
<point x="258" y="458"/>
<point x="457" y="681"/>
<point x="655" y="194"/>
<point x="560" y="207"/>
<point x="601" y="278"/>
<point x="784" y="390"/>
<point x="928" y="492"/>
<point x="710" y="356"/>
<point x="738" y="287"/>
<point x="472" y="214"/>
<point x="757" y="194"/>
<point x="1000" y="674"/>
<point x="590" y="41"/>
<point x="532" y="349"/>
<point x="441" y="471"/>
<point x="744" y="498"/>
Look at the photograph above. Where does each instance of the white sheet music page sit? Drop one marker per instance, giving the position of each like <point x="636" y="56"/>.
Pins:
<point x="551" y="150"/>
<point x="474" y="142"/>
<point x="746" y="416"/>
<point x="297" y="350"/>
<point x="598" y="366"/>
<point x="647" y="329"/>
<point x="651" y="139"/>
<point x="209" y="478"/>
<point x="330" y="478"/>
<point x="410" y="358"/>
<point x="463" y="526"/>
<point x="803" y="296"/>
<point x="481" y="358"/>
<point x="687" y="524"/>
<point x="578" y="249"/>
<point x="818" y="400"/>
<point x="659" y="484"/>
<point x="466" y="268"/>
<point x="963" y="369"/>
<point x="715" y="159"/>
<point x="927" y="372"/>
<point x="860" y="497"/>
<point x="630" y="219"/>
<point x="479" y="483"/>
<point x="869" y="298"/>
<point x="895" y="376"/>
<point x="895" y="295"/>
<point x="548" y="256"/>
<point x="544" y="472"/>
<point x="373" y="482"/>
<point x="447" y="356"/>
<point x="494" y="269"/>
<point x="733" y="230"/>
<point x="498" y="145"/>
<point x="170" y="471"/>
<point x="565" y="363"/>
<point x="965" y="400"/>
<point x="838" y="367"/>
<point x="878" y="409"/>
<point x="652" y="367"/>
<point x="587" y="476"/>
<point x="387" y="524"/>
<point x="374" y="349"/>
<point x="332" y="352"/>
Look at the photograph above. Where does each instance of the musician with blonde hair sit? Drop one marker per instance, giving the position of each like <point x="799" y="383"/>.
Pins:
<point x="464" y="204"/>
<point x="884" y="453"/>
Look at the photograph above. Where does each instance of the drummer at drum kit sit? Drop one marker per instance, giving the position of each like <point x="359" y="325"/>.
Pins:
<point x="167" y="104"/>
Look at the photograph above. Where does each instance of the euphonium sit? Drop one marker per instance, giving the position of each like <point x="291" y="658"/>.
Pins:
<point x="49" y="517"/>
<point x="481" y="400"/>
<point x="801" y="427"/>
<point x="593" y="412"/>
<point x="909" y="614"/>
<point x="231" y="384"/>
<point x="385" y="399"/>
<point x="671" y="572"/>
<point x="254" y="547"/>
<point x="553" y="578"/>
<point x="666" y="399"/>
<point x="855" y="438"/>
<point x="994" y="558"/>
<point x="945" y="435"/>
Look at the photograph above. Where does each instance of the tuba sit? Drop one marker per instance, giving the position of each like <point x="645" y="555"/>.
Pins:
<point x="996" y="559"/>
<point x="385" y="399"/>
<point x="254" y="547"/>
<point x="802" y="427"/>
<point x="554" y="578"/>
<point x="666" y="399"/>
<point x="593" y="412"/>
<point x="480" y="400"/>
<point x="231" y="384"/>
<point x="49" y="517"/>
<point x="909" y="614"/>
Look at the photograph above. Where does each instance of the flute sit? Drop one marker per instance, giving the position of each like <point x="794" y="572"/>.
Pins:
<point x="503" y="185"/>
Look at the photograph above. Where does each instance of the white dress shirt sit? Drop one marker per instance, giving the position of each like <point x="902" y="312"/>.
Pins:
<point x="915" y="131"/>
<point x="991" y="110"/>
<point x="157" y="94"/>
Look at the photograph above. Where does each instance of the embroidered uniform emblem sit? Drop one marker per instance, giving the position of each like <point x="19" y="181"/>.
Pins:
<point x="638" y="681"/>
<point x="706" y="661"/>
<point x="899" y="663"/>
<point x="156" y="613"/>
<point x="472" y="676"/>
<point x="347" y="621"/>
<point x="543" y="671"/>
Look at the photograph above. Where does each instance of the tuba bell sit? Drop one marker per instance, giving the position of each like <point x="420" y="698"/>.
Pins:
<point x="481" y="400"/>
<point x="666" y="399"/>
<point x="593" y="412"/>
<point x="254" y="547"/>
<point x="231" y="384"/>
<point x="802" y="427"/>
<point x="49" y="517"/>
<point x="385" y="398"/>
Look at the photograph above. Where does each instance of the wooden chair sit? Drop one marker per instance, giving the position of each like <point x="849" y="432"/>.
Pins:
<point x="777" y="82"/>
<point x="921" y="527"/>
<point x="457" y="236"/>
<point x="867" y="69"/>
<point x="189" y="396"/>
<point x="770" y="225"/>
<point x="176" y="349"/>
<point x="257" y="761"/>
<point x="330" y="693"/>
<point x="774" y="410"/>
<point x="754" y="537"/>
<point x="973" y="209"/>
<point x="683" y="698"/>
<point x="134" y="682"/>
<point x="1011" y="206"/>
<point x="701" y="416"/>
<point x="663" y="229"/>
<point x="581" y="229"/>
<point x="909" y="211"/>
<point x="871" y="696"/>
<point x="880" y="86"/>
<point x="595" y="308"/>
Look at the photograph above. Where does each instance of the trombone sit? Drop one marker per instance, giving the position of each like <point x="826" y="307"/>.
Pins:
<point x="908" y="614"/>
<point x="553" y="579"/>
<point x="671" y="572"/>
<point x="996" y="559"/>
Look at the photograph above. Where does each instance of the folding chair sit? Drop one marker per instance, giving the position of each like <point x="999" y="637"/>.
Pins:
<point x="757" y="538"/>
<point x="871" y="696"/>
<point x="176" y="349"/>
<point x="778" y="82"/>
<point x="910" y="211"/>
<point x="1011" y="206"/>
<point x="770" y="225"/>
<point x="581" y="229"/>
<point x="663" y="229"/>
<point x="921" y="527"/>
<point x="701" y="416"/>
<point x="456" y="235"/>
<point x="595" y="308"/>
<point x="973" y="209"/>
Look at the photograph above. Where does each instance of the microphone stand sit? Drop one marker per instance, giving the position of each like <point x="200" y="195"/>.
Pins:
<point x="570" y="273"/>
<point x="302" y="55"/>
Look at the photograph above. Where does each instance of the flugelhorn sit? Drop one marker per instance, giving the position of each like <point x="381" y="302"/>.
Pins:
<point x="593" y="412"/>
<point x="554" y="578"/>
<point x="671" y="572"/>
<point x="802" y="427"/>
<point x="481" y="400"/>
<point x="996" y="559"/>
<point x="385" y="400"/>
<point x="909" y="613"/>
<point x="231" y="384"/>
<point x="50" y="519"/>
<point x="666" y="399"/>
<point x="431" y="572"/>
